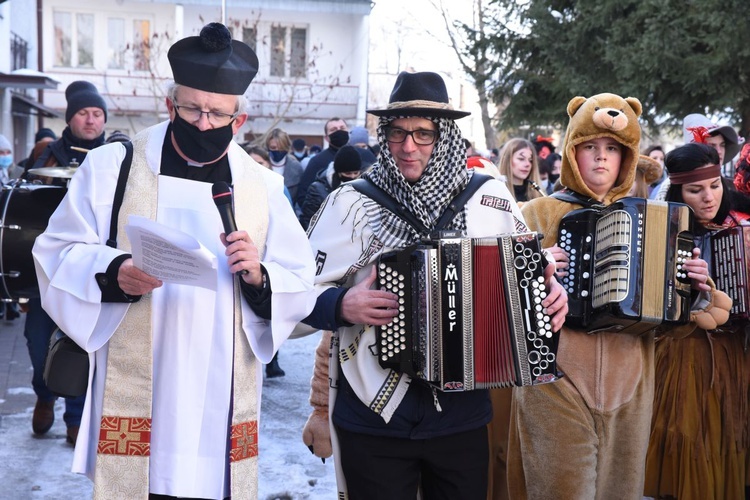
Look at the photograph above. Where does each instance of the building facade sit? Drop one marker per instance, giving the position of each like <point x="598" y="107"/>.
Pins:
<point x="313" y="58"/>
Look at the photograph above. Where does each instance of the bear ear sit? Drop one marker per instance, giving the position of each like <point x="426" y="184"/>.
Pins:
<point x="574" y="104"/>
<point x="635" y="104"/>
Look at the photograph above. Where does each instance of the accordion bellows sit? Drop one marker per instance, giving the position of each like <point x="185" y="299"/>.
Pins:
<point x="470" y="313"/>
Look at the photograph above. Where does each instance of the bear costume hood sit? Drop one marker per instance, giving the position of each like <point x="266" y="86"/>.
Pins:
<point x="602" y="115"/>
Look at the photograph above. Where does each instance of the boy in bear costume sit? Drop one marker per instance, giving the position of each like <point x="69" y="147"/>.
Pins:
<point x="586" y="435"/>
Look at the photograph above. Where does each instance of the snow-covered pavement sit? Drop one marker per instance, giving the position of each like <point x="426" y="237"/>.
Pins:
<point x="35" y="468"/>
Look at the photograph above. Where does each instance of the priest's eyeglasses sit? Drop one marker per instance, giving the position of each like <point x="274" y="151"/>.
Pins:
<point x="419" y="136"/>
<point x="215" y="118"/>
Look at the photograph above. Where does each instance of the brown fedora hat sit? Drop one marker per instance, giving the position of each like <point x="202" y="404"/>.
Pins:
<point x="419" y="94"/>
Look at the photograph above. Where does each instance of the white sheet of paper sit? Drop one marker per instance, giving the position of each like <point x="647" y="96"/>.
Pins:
<point x="170" y="254"/>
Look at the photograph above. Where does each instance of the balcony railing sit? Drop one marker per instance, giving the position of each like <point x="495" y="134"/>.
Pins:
<point x="19" y="50"/>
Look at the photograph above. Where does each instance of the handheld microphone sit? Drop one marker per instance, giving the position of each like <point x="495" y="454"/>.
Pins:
<point x="222" y="195"/>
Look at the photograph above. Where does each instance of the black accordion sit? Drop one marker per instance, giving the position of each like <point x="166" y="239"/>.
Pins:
<point x="730" y="267"/>
<point x="470" y="313"/>
<point x="625" y="271"/>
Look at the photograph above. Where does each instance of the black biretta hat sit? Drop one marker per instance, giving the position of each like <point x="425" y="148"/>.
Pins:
<point x="419" y="94"/>
<point x="213" y="61"/>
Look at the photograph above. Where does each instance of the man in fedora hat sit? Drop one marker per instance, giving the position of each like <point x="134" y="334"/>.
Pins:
<point x="393" y="433"/>
<point x="174" y="391"/>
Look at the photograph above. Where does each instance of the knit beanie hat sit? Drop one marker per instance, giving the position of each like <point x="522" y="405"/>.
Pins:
<point x="359" y="135"/>
<point x="117" y="136"/>
<point x="81" y="94"/>
<point x="5" y="143"/>
<point x="347" y="159"/>
<point x="43" y="133"/>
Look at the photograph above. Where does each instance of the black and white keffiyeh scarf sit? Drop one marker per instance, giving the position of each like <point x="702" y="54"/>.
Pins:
<point x="444" y="177"/>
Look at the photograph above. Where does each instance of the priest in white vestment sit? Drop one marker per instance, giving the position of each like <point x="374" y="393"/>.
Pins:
<point x="175" y="370"/>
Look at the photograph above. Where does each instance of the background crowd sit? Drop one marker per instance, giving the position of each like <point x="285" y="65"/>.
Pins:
<point x="692" y="445"/>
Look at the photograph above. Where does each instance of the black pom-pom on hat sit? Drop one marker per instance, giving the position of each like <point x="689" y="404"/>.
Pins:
<point x="347" y="159"/>
<point x="213" y="61"/>
<point x="215" y="37"/>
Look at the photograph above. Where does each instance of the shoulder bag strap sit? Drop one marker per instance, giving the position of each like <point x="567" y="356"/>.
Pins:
<point x="122" y="180"/>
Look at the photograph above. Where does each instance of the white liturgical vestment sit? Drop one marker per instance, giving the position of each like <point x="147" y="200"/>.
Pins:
<point x="192" y="327"/>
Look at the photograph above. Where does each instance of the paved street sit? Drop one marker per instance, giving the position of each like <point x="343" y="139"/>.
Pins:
<point x="31" y="467"/>
<point x="36" y="468"/>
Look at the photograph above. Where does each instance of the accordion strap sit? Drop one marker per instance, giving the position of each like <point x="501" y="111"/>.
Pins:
<point x="572" y="197"/>
<point x="371" y="190"/>
<point x="457" y="203"/>
<point x="374" y="192"/>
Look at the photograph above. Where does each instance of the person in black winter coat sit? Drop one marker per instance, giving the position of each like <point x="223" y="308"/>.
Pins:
<point x="347" y="165"/>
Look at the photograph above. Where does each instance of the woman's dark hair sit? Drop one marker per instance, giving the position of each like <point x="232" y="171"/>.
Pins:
<point x="258" y="150"/>
<point x="655" y="147"/>
<point x="545" y="166"/>
<point x="695" y="155"/>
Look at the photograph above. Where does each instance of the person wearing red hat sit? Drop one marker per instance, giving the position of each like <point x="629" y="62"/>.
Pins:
<point x="175" y="369"/>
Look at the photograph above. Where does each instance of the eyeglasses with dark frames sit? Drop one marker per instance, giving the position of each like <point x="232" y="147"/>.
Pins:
<point x="420" y="137"/>
<point x="215" y="118"/>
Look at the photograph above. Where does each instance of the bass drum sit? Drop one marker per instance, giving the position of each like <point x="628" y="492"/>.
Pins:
<point x="25" y="210"/>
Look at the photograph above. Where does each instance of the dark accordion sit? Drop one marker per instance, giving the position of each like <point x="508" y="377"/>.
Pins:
<point x="470" y="313"/>
<point x="730" y="267"/>
<point x="625" y="271"/>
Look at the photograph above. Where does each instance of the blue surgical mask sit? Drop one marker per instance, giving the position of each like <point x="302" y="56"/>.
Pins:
<point x="6" y="161"/>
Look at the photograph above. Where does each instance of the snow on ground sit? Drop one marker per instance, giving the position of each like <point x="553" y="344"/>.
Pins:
<point x="38" y="468"/>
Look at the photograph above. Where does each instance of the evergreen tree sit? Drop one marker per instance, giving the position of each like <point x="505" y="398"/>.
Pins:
<point x="676" y="56"/>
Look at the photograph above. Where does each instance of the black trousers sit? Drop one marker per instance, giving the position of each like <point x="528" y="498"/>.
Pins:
<point x="448" y="467"/>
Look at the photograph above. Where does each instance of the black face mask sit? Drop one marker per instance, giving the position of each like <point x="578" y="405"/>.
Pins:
<point x="201" y="146"/>
<point x="338" y="139"/>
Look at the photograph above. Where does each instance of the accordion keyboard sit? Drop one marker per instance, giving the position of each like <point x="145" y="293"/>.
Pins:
<point x="393" y="336"/>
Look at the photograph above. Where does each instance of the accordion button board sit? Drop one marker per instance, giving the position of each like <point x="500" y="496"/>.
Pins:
<point x="471" y="313"/>
<point x="730" y="267"/>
